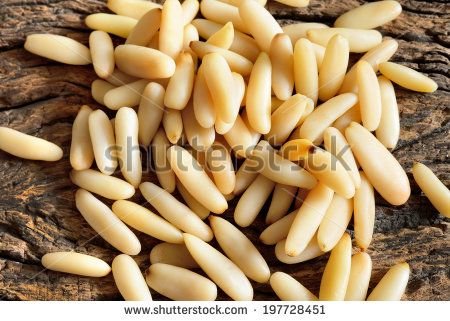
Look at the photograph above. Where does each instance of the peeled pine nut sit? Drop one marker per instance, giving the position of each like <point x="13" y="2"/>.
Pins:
<point x="253" y="133"/>
<point x="173" y="124"/>
<point x="129" y="279"/>
<point x="298" y="30"/>
<point x="180" y="85"/>
<point x="75" y="263"/>
<point x="180" y="284"/>
<point x="369" y="15"/>
<point x="369" y="95"/>
<point x="173" y="254"/>
<point x="203" y="104"/>
<point x="336" y="144"/>
<point x="364" y="217"/>
<point x="388" y="130"/>
<point x="382" y="169"/>
<point x="145" y="221"/>
<point x="337" y="271"/>
<point x="324" y="115"/>
<point x="319" y="51"/>
<point x="281" y="202"/>
<point x="165" y="174"/>
<point x="119" y="78"/>
<point x="129" y="156"/>
<point x="240" y="138"/>
<point x="131" y="8"/>
<point x="126" y="95"/>
<point x="220" y="269"/>
<point x="144" y="62"/>
<point x="407" y="77"/>
<point x="351" y="115"/>
<point x="224" y="37"/>
<point x="237" y="63"/>
<point x="243" y="44"/>
<point x="199" y="138"/>
<point x="150" y="112"/>
<point x="393" y="284"/>
<point x="190" y="34"/>
<point x="99" y="88"/>
<point x="240" y="250"/>
<point x="106" y="223"/>
<point x="258" y="104"/>
<point x="190" y="9"/>
<point x="117" y="25"/>
<point x="289" y="289"/>
<point x="278" y="230"/>
<point x="245" y="175"/>
<point x="311" y="251"/>
<point x="308" y="219"/>
<point x="145" y="29"/>
<point x="359" y="40"/>
<point x="192" y="203"/>
<point x="171" y="30"/>
<point x="282" y="58"/>
<point x="378" y="54"/>
<point x="333" y="67"/>
<point x="433" y="188"/>
<point x="252" y="201"/>
<point x="81" y="152"/>
<point x="305" y="69"/>
<point x="358" y="283"/>
<point x="334" y="222"/>
<point x="221" y="166"/>
<point x="222" y="13"/>
<point x="240" y="87"/>
<point x="102" y="52"/>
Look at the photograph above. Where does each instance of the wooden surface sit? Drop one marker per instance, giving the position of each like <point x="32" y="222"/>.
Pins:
<point x="41" y="97"/>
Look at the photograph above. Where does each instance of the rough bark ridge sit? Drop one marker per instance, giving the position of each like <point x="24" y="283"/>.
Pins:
<point x="40" y="97"/>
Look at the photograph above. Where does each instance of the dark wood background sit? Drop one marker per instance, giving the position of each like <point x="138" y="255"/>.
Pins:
<point x="41" y="97"/>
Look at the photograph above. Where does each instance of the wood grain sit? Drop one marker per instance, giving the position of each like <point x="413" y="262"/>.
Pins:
<point x="41" y="97"/>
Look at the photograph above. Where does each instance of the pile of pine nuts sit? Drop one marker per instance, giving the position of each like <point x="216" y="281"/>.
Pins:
<point x="230" y="96"/>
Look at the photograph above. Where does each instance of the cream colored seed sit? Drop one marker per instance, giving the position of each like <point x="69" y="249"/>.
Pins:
<point x="102" y="52"/>
<point x="393" y="284"/>
<point x="175" y="212"/>
<point x="311" y="251"/>
<point x="252" y="201"/>
<point x="221" y="166"/>
<point x="243" y="44"/>
<point x="369" y="15"/>
<point x="289" y="289"/>
<point x="407" y="77"/>
<point x="222" y="13"/>
<point x="75" y="263"/>
<point x="358" y="283"/>
<point x="244" y="176"/>
<point x="382" y="169"/>
<point x="336" y="144"/>
<point x="333" y="67"/>
<point x="145" y="221"/>
<point x="237" y="63"/>
<point x="298" y="30"/>
<point x="117" y="25"/>
<point x="324" y="115"/>
<point x="359" y="40"/>
<point x="378" y="54"/>
<point x="171" y="30"/>
<point x="106" y="223"/>
<point x="58" y="48"/>
<point x="240" y="87"/>
<point x="433" y="188"/>
<point x="173" y="254"/>
<point x="282" y="58"/>
<point x="150" y="112"/>
<point x="369" y="95"/>
<point x="131" y="8"/>
<point x="99" y="88"/>
<point x="254" y="134"/>
<point x="281" y="202"/>
<point x="199" y="138"/>
<point x="126" y="95"/>
<point x="240" y="138"/>
<point x="119" y="78"/>
<point x="144" y="62"/>
<point x="191" y="202"/>
<point x="103" y="141"/>
<point x="81" y="152"/>
<point x="334" y="222"/>
<point x="129" y="279"/>
<point x="165" y="174"/>
<point x="305" y="69"/>
<point x="278" y="230"/>
<point x="190" y="34"/>
<point x="128" y="153"/>
<point x="337" y="271"/>
<point x="173" y="124"/>
<point x="258" y="103"/>
<point x="203" y="104"/>
<point x="364" y="217"/>
<point x="308" y="219"/>
<point x="224" y="37"/>
<point x="240" y="250"/>
<point x="145" y="29"/>
<point x="220" y="269"/>
<point x="351" y="115"/>
<point x="179" y="284"/>
<point x="102" y="184"/>
<point x="180" y="85"/>
<point x="319" y="51"/>
<point x="388" y="130"/>
<point x="190" y="9"/>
